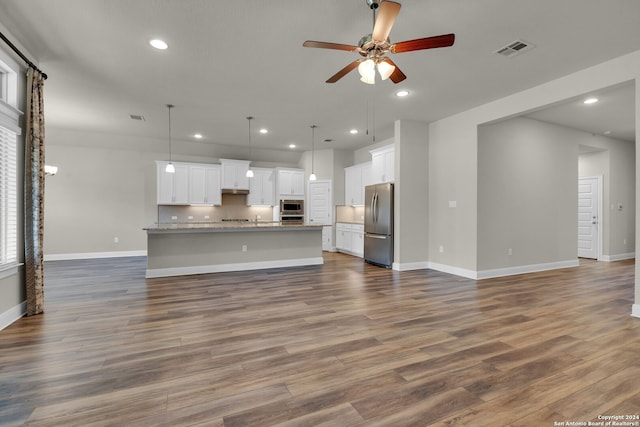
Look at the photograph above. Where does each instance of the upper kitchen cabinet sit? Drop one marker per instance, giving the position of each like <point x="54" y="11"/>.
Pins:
<point x="234" y="174"/>
<point x="356" y="177"/>
<point x="204" y="184"/>
<point x="290" y="183"/>
<point x="173" y="188"/>
<point x="261" y="187"/>
<point x="382" y="164"/>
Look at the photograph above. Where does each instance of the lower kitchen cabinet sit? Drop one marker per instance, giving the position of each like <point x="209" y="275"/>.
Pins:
<point x="327" y="238"/>
<point x="350" y="238"/>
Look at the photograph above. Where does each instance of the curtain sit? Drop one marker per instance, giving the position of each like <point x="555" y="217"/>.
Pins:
<point x="34" y="194"/>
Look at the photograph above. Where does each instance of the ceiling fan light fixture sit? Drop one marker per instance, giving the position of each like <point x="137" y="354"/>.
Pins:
<point x="385" y="69"/>
<point x="367" y="70"/>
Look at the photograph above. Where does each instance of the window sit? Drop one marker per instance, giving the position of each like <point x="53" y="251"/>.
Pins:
<point x="9" y="131"/>
<point x="8" y="199"/>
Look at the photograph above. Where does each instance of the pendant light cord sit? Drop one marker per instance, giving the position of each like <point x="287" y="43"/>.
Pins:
<point x="313" y="147"/>
<point x="249" y="118"/>
<point x="169" y="107"/>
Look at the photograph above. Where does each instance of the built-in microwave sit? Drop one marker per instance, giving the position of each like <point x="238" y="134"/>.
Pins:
<point x="291" y="207"/>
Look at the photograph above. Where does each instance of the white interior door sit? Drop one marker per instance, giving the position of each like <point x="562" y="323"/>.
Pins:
<point x="588" y="217"/>
<point x="319" y="202"/>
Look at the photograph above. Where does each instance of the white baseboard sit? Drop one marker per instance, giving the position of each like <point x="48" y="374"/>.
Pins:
<point x="449" y="269"/>
<point x="522" y="269"/>
<point x="93" y="255"/>
<point x="618" y="257"/>
<point x="635" y="310"/>
<point x="406" y="266"/>
<point x="499" y="272"/>
<point x="239" y="266"/>
<point x="13" y="314"/>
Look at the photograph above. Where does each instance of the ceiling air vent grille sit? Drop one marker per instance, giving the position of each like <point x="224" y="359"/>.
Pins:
<point x="515" y="48"/>
<point x="136" y="117"/>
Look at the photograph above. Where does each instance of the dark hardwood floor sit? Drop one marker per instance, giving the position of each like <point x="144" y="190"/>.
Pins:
<point x="342" y="344"/>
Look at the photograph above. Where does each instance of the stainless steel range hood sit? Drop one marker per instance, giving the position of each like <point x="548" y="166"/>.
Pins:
<point x="234" y="191"/>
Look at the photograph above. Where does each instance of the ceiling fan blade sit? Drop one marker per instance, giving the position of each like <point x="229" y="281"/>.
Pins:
<point x="340" y="74"/>
<point x="444" y="40"/>
<point x="326" y="45"/>
<point x="397" y="76"/>
<point x="386" y="17"/>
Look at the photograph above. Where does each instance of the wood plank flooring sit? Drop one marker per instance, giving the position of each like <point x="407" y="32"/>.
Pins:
<point x="342" y="344"/>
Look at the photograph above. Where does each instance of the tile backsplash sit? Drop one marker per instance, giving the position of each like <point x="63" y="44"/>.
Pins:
<point x="350" y="214"/>
<point x="234" y="206"/>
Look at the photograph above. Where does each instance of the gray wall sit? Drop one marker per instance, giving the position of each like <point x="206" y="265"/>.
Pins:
<point x="411" y="194"/>
<point x="527" y="194"/>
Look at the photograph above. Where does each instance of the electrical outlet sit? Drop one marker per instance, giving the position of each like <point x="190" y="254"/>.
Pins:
<point x="510" y="252"/>
<point x="190" y="217"/>
<point x="206" y="217"/>
<point x="116" y="240"/>
<point x="174" y="217"/>
<point x="244" y="248"/>
<point x="441" y="249"/>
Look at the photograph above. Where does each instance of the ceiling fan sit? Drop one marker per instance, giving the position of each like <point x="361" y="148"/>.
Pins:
<point x="374" y="47"/>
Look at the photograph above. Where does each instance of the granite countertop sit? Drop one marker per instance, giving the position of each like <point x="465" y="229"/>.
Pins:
<point x="227" y="226"/>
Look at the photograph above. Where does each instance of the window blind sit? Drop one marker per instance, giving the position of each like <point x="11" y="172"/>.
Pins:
<point x="8" y="198"/>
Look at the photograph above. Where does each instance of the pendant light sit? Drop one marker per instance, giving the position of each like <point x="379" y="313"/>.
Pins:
<point x="249" y="171"/>
<point x="312" y="177"/>
<point x="170" y="168"/>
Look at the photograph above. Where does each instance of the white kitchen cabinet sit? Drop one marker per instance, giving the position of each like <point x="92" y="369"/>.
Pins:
<point x="350" y="238"/>
<point x="356" y="177"/>
<point x="383" y="164"/>
<point x="357" y="239"/>
<point x="290" y="183"/>
<point x="172" y="188"/>
<point x="204" y="184"/>
<point x="261" y="187"/>
<point x="327" y="238"/>
<point x="234" y="174"/>
<point x="343" y="237"/>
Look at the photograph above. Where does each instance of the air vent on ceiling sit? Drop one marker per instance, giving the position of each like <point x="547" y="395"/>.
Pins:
<point x="515" y="48"/>
<point x="136" y="117"/>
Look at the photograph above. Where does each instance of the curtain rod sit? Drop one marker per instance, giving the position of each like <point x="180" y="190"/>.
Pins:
<point x="21" y="55"/>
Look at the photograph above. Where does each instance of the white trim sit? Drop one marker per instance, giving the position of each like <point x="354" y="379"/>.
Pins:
<point x="522" y="269"/>
<point x="618" y="257"/>
<point x="92" y="255"/>
<point x="238" y="266"/>
<point x="406" y="266"/>
<point x="635" y="310"/>
<point x="13" y="314"/>
<point x="456" y="271"/>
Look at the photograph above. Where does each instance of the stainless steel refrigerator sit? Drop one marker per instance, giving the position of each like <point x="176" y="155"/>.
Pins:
<point x="378" y="224"/>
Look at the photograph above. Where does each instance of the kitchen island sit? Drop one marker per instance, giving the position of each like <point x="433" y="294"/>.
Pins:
<point x="196" y="248"/>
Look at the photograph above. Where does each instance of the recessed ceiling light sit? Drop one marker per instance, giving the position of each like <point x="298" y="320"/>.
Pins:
<point x="158" y="44"/>
<point x="590" y="100"/>
<point x="353" y="131"/>
<point x="263" y="130"/>
<point x="197" y="136"/>
<point x="402" y="93"/>
<point x="292" y="145"/>
<point x="607" y="132"/>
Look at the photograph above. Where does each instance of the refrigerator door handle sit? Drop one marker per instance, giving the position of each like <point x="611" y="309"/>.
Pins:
<point x="376" y="236"/>
<point x="375" y="208"/>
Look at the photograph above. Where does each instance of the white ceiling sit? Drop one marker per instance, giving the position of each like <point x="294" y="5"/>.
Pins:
<point x="228" y="60"/>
